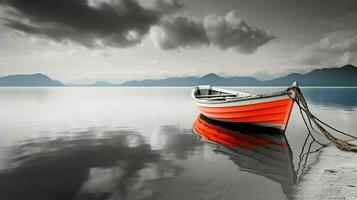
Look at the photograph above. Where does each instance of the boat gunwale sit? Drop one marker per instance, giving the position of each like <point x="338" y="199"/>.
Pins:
<point x="237" y="99"/>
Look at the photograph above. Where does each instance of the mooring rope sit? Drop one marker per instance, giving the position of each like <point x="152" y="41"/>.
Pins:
<point x="296" y="94"/>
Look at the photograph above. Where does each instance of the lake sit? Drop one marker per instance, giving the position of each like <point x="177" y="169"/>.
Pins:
<point x="137" y="143"/>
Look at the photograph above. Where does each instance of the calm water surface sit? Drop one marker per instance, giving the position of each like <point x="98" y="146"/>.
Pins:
<point x="137" y="143"/>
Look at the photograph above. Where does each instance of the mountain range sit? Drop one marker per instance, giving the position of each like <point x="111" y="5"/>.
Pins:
<point x="342" y="76"/>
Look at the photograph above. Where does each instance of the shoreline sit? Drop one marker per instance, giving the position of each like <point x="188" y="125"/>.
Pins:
<point x="334" y="176"/>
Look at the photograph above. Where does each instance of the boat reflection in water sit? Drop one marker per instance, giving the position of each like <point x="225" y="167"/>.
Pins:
<point x="259" y="150"/>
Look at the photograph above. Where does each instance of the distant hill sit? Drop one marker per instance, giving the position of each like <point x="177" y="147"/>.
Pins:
<point x="77" y="85"/>
<point x="96" y="84"/>
<point x="343" y="76"/>
<point x="31" y="80"/>
<point x="102" y="84"/>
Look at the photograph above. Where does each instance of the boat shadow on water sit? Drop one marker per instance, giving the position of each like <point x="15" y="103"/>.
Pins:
<point x="259" y="150"/>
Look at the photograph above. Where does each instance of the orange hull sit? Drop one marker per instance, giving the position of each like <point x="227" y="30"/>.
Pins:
<point x="270" y="113"/>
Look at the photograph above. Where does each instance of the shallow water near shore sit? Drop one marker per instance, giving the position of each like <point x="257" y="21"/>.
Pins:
<point x="137" y="143"/>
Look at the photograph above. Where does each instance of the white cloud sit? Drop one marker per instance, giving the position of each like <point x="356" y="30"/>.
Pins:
<point x="340" y="41"/>
<point x="335" y="48"/>
<point x="98" y="3"/>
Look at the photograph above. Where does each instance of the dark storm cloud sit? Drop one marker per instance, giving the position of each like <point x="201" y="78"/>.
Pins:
<point x="176" y="32"/>
<point x="124" y="23"/>
<point x="228" y="32"/>
<point x="93" y="22"/>
<point x="233" y="32"/>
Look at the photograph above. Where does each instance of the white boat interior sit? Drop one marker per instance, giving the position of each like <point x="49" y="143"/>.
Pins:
<point x="206" y="92"/>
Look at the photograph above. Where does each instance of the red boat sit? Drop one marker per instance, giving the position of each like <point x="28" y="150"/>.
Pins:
<point x="272" y="110"/>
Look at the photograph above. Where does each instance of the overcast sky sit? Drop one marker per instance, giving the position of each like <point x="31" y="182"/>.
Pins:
<point x="116" y="40"/>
